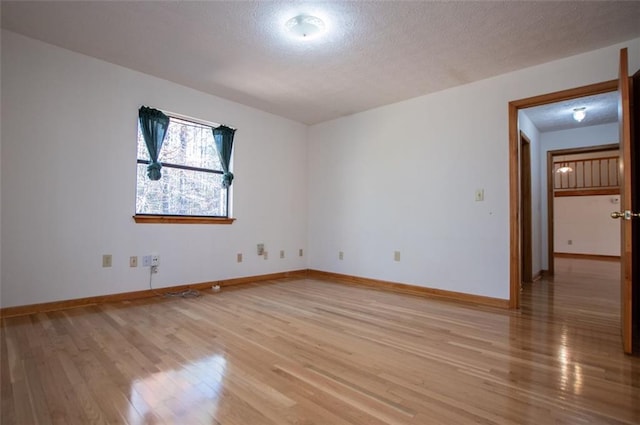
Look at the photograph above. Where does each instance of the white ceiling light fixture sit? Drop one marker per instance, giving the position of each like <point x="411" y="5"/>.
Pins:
<point x="579" y="114"/>
<point x="564" y="168"/>
<point x="305" y="26"/>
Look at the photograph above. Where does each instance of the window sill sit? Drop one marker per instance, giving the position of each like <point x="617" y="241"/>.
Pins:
<point x="169" y="219"/>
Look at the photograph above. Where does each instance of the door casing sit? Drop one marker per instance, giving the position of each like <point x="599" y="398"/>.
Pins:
<point x="525" y="209"/>
<point x="515" y="250"/>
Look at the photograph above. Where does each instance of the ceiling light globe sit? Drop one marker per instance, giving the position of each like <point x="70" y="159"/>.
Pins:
<point x="579" y="114"/>
<point x="305" y="26"/>
<point x="564" y="170"/>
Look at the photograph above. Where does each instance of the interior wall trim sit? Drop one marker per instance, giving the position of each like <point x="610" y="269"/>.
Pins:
<point x="410" y="289"/>
<point x="147" y="293"/>
<point x="404" y="288"/>
<point x="586" y="256"/>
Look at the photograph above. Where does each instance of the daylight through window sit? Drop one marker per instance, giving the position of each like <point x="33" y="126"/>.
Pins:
<point x="192" y="174"/>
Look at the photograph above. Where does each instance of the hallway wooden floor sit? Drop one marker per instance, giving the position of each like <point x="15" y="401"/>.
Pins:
<point x="310" y="352"/>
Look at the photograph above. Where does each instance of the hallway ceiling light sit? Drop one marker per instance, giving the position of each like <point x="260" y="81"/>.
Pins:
<point x="305" y="26"/>
<point x="564" y="168"/>
<point x="579" y="114"/>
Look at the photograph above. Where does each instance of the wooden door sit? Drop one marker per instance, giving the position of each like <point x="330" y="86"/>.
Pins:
<point x="626" y="214"/>
<point x="525" y="203"/>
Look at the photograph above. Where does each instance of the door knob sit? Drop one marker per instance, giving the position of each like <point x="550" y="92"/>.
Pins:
<point x="627" y="215"/>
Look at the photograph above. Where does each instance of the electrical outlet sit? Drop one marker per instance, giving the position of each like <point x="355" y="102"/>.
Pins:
<point x="146" y="261"/>
<point x="396" y="256"/>
<point x="154" y="269"/>
<point x="300" y="252"/>
<point x="133" y="261"/>
<point x="106" y="260"/>
<point x="266" y="255"/>
<point x="239" y="257"/>
<point x="260" y="249"/>
<point x="155" y="260"/>
<point x="340" y="255"/>
<point x="281" y="253"/>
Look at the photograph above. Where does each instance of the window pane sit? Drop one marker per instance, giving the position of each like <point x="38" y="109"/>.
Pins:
<point x="190" y="144"/>
<point x="185" y="144"/>
<point x="143" y="153"/>
<point x="181" y="192"/>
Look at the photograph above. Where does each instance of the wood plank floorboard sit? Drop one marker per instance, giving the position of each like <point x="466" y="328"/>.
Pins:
<point x="306" y="352"/>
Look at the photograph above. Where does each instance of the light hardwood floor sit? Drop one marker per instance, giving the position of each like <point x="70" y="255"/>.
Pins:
<point x="310" y="352"/>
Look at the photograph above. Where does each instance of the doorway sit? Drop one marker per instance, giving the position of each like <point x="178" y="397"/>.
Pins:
<point x="516" y="253"/>
<point x="562" y="153"/>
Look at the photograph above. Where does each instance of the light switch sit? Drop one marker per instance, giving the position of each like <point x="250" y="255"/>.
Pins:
<point x="479" y="195"/>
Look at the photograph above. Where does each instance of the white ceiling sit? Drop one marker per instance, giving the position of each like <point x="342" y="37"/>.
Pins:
<point x="374" y="52"/>
<point x="600" y="109"/>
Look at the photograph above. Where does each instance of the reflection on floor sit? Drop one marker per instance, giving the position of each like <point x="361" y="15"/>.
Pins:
<point x="311" y="352"/>
<point x="174" y="392"/>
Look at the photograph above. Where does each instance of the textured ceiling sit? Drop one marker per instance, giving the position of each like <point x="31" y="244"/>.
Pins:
<point x="374" y="52"/>
<point x="600" y="109"/>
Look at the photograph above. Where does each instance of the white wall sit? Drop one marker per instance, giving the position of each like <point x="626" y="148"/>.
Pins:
<point x="69" y="180"/>
<point x="585" y="221"/>
<point x="532" y="133"/>
<point x="566" y="139"/>
<point x="403" y="177"/>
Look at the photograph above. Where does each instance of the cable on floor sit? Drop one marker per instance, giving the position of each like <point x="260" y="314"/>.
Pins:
<point x="187" y="293"/>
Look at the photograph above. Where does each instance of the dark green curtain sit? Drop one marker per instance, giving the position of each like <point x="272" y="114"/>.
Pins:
<point x="223" y="137"/>
<point x="153" y="124"/>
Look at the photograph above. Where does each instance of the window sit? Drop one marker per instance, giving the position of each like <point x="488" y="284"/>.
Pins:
<point x="191" y="184"/>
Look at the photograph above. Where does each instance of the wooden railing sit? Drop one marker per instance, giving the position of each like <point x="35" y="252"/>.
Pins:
<point x="592" y="176"/>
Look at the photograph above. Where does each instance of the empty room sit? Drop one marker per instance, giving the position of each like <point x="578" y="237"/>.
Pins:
<point x="319" y="212"/>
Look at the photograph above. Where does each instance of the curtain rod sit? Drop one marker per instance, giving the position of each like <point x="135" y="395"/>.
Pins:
<point x="191" y="119"/>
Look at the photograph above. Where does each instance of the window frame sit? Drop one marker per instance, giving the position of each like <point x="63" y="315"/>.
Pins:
<point x="145" y="218"/>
